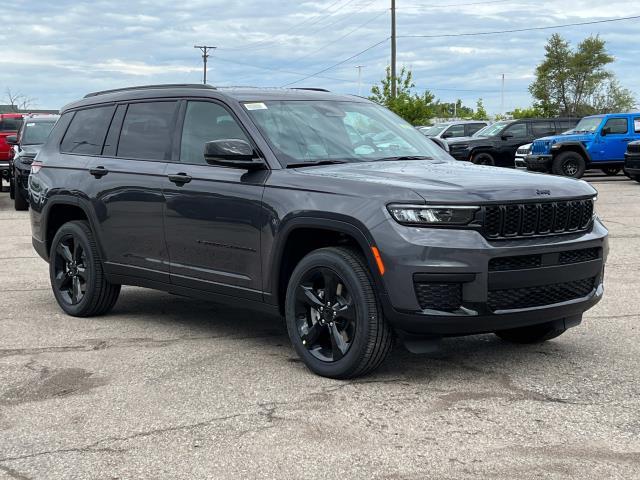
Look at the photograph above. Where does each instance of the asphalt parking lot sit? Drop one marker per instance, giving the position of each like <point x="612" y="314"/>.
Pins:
<point x="169" y="387"/>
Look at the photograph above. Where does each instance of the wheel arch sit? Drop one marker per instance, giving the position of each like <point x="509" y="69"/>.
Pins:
<point x="575" y="147"/>
<point x="301" y="235"/>
<point x="63" y="209"/>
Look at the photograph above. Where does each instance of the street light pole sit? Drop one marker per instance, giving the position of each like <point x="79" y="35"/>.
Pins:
<point x="393" y="48"/>
<point x="359" y="67"/>
<point x="205" y="55"/>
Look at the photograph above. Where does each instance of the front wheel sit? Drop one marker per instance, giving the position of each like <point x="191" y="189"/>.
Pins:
<point x="334" y="320"/>
<point x="75" y="269"/>
<point x="611" y="171"/>
<point x="483" y="159"/>
<point x="569" y="164"/>
<point x="533" y="334"/>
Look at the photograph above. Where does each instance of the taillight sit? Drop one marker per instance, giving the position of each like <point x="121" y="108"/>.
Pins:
<point x="36" y="166"/>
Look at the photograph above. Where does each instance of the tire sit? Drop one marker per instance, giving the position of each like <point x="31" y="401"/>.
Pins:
<point x="483" y="159"/>
<point x="365" y="339"/>
<point x="611" y="171"/>
<point x="569" y="164"/>
<point x="19" y="202"/>
<point x="533" y="334"/>
<point x="74" y="261"/>
<point x="636" y="178"/>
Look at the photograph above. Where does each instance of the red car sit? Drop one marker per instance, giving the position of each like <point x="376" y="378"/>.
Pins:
<point x="10" y="123"/>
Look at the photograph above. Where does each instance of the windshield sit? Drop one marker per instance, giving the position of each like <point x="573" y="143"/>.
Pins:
<point x="492" y="130"/>
<point x="587" y="125"/>
<point x="435" y="130"/>
<point x="36" y="133"/>
<point x="321" y="131"/>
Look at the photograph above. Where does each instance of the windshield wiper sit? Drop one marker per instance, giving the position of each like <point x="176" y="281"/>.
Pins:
<point x="403" y="157"/>
<point x="313" y="164"/>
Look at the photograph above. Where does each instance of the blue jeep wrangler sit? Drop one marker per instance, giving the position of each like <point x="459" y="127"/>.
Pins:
<point x="598" y="141"/>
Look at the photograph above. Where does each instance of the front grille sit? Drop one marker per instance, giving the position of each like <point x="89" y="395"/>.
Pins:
<point x="528" y="297"/>
<point x="521" y="262"/>
<point x="540" y="148"/>
<point x="633" y="147"/>
<point x="533" y="219"/>
<point x="577" y="256"/>
<point x="446" y="297"/>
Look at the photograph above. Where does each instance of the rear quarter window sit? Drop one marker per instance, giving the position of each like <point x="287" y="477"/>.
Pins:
<point x="87" y="131"/>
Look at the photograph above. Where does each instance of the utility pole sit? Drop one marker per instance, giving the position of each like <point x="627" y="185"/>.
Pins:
<point x="502" y="96"/>
<point x="359" y="67"/>
<point x="393" y="48"/>
<point x="205" y="55"/>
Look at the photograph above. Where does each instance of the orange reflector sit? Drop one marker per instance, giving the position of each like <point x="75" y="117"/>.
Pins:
<point x="376" y="255"/>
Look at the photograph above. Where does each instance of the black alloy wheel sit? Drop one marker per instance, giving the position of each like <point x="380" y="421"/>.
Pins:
<point x="75" y="269"/>
<point x="325" y="314"/>
<point x="334" y="319"/>
<point x="70" y="271"/>
<point x="483" y="159"/>
<point x="569" y="164"/>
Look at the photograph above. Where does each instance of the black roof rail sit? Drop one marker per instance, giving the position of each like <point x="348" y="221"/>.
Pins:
<point x="146" y="87"/>
<point x="312" y="89"/>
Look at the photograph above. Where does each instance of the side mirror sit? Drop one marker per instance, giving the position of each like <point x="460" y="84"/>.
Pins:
<point x="507" y="136"/>
<point x="605" y="131"/>
<point x="447" y="135"/>
<point x="232" y="153"/>
<point x="12" y="140"/>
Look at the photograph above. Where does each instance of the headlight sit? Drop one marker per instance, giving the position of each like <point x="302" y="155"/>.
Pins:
<point x="458" y="146"/>
<point x="432" y="215"/>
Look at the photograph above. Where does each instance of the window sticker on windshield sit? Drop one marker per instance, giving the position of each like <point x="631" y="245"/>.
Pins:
<point x="255" y="106"/>
<point x="636" y="125"/>
<point x="31" y="124"/>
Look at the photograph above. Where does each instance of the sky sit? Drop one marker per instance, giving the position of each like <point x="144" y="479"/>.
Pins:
<point x="57" y="51"/>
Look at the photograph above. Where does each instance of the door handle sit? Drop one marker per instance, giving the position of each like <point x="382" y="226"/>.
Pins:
<point x="179" y="178"/>
<point x="98" y="172"/>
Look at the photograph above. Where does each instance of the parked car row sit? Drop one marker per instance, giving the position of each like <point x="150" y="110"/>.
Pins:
<point x="21" y="137"/>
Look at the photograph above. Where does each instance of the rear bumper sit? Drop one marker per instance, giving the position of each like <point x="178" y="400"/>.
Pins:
<point x="538" y="163"/>
<point x="557" y="288"/>
<point x="4" y="168"/>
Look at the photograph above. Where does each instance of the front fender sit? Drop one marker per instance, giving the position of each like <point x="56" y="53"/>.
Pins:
<point x="560" y="147"/>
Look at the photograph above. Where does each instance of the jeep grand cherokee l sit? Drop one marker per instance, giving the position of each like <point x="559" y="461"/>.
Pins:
<point x="266" y="198"/>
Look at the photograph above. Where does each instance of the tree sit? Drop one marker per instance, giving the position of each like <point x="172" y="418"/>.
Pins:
<point x="531" y="112"/>
<point x="18" y="100"/>
<point x="576" y="82"/>
<point x="480" y="113"/>
<point x="415" y="109"/>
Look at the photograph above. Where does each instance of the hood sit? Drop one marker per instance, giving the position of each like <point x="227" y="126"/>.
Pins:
<point x="465" y="140"/>
<point x="571" y="137"/>
<point x="29" y="150"/>
<point x="456" y="182"/>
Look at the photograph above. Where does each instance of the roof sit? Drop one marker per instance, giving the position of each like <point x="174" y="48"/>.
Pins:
<point x="459" y="122"/>
<point x="241" y="94"/>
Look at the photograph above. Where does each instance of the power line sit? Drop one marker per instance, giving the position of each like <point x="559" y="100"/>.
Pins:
<point x="453" y="5"/>
<point x="318" y="18"/>
<point x="371" y="20"/>
<point x="339" y="63"/>
<point x="496" y="32"/>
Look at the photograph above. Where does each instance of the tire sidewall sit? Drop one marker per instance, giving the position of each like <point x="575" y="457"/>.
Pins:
<point x="351" y="360"/>
<point x="566" y="157"/>
<point x="487" y="159"/>
<point x="80" y="235"/>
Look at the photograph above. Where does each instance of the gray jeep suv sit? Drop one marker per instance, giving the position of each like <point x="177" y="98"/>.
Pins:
<point x="326" y="209"/>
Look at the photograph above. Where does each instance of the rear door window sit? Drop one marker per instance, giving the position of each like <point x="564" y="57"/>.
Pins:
<point x="87" y="130"/>
<point x="542" y="129"/>
<point x="147" y="131"/>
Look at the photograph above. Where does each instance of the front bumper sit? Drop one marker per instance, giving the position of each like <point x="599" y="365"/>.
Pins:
<point x="632" y="163"/>
<point x="520" y="163"/>
<point x="460" y="153"/>
<point x="538" y="163"/>
<point x="463" y="257"/>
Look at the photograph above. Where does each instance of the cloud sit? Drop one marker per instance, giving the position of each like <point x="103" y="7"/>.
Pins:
<point x="57" y="51"/>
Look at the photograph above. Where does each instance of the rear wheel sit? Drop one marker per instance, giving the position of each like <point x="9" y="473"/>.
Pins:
<point x="76" y="273"/>
<point x="569" y="164"/>
<point x="333" y="318"/>
<point x="483" y="159"/>
<point x="611" y="171"/>
<point x="533" y="334"/>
